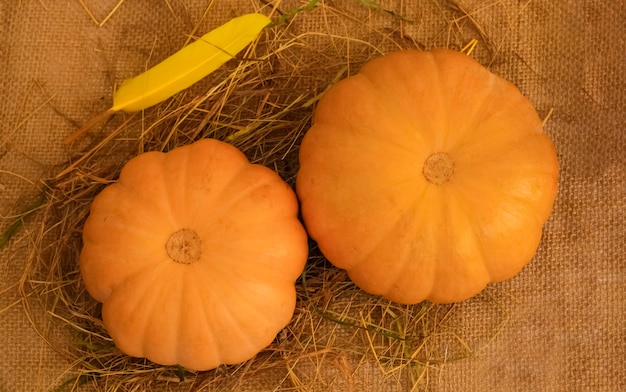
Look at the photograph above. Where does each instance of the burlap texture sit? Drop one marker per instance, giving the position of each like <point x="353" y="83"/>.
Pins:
<point x="566" y="310"/>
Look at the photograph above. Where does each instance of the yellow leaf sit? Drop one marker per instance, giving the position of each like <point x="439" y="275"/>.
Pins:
<point x="189" y="65"/>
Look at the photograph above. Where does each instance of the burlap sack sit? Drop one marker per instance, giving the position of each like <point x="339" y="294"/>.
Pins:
<point x="566" y="311"/>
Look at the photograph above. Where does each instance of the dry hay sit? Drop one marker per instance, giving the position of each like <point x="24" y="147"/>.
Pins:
<point x="339" y="338"/>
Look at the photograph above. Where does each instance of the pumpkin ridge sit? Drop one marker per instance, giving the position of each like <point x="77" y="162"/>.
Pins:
<point x="245" y="338"/>
<point x="210" y="155"/>
<point x="367" y="257"/>
<point x="419" y="213"/>
<point x="121" y="223"/>
<point x="461" y="132"/>
<point x="162" y="350"/>
<point x="225" y="202"/>
<point x="440" y="139"/>
<point x="403" y="203"/>
<point x="374" y="134"/>
<point x="93" y="261"/>
<point x="205" y="155"/>
<point x="140" y="301"/>
<point x="134" y="168"/>
<point x="176" y="184"/>
<point x="110" y="287"/>
<point x="410" y="148"/>
<point x="273" y="191"/>
<point x="367" y="254"/>
<point x="447" y="239"/>
<point x="471" y="217"/>
<point x="119" y="211"/>
<point x="483" y="238"/>
<point x="528" y="206"/>
<point x="466" y="134"/>
<point x="497" y="154"/>
<point x="161" y="262"/>
<point x="235" y="238"/>
<point x="183" y="177"/>
<point x="404" y="68"/>
<point x="209" y="328"/>
<point x="476" y="138"/>
<point x="234" y="322"/>
<point x="499" y="150"/>
<point x="535" y="169"/>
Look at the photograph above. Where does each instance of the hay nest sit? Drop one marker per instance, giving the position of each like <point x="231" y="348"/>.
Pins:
<point x="339" y="338"/>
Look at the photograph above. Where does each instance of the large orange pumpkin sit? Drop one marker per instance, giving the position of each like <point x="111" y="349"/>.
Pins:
<point x="194" y="254"/>
<point x="426" y="177"/>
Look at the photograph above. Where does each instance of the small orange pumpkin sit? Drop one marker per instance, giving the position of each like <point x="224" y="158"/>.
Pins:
<point x="426" y="177"/>
<point x="194" y="254"/>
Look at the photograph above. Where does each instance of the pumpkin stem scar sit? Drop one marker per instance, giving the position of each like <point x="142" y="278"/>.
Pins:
<point x="184" y="246"/>
<point x="438" y="168"/>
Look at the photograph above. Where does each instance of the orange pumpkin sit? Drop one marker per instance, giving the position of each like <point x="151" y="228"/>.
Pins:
<point x="194" y="254"/>
<point x="426" y="177"/>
